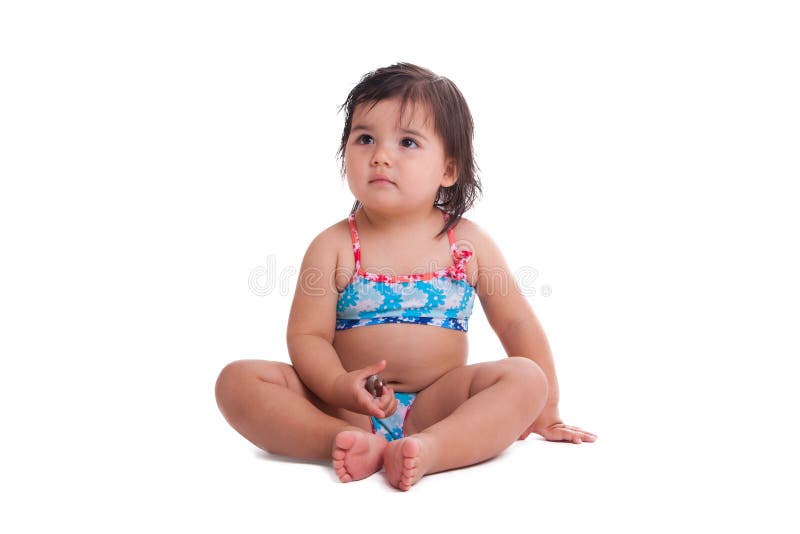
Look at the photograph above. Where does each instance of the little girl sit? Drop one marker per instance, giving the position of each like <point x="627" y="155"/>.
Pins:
<point x="407" y="153"/>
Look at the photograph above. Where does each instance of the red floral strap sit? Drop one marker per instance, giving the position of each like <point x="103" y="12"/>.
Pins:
<point x="354" y="239"/>
<point x="456" y="271"/>
<point x="461" y="257"/>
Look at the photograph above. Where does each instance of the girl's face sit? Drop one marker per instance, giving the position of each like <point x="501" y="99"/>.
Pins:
<point x="395" y="163"/>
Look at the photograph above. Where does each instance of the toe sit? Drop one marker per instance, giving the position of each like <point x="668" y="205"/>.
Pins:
<point x="411" y="448"/>
<point x="342" y="473"/>
<point x="345" y="440"/>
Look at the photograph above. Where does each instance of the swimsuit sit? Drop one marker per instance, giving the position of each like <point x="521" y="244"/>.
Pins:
<point x="441" y="298"/>
<point x="391" y="428"/>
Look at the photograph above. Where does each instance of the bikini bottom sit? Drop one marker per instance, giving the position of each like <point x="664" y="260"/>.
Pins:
<point x="392" y="427"/>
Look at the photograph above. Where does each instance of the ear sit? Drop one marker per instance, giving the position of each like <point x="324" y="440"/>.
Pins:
<point x="450" y="175"/>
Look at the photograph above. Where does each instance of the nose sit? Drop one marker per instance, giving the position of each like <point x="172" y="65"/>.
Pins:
<point x="381" y="155"/>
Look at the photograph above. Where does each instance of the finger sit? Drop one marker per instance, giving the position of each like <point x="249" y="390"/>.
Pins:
<point x="369" y="405"/>
<point x="583" y="433"/>
<point x="560" y="434"/>
<point x="387" y="396"/>
<point x="373" y="369"/>
<point x="556" y="434"/>
<point x="390" y="405"/>
<point x="384" y="403"/>
<point x="573" y="436"/>
<point x="391" y="408"/>
<point x="576" y="429"/>
<point x="377" y="412"/>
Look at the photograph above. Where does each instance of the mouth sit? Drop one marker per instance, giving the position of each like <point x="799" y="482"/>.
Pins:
<point x="379" y="178"/>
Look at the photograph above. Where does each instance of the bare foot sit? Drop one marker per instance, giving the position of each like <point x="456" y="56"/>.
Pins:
<point x="406" y="461"/>
<point x="357" y="455"/>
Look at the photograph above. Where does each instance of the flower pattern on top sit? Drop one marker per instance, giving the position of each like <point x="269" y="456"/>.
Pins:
<point x="440" y="298"/>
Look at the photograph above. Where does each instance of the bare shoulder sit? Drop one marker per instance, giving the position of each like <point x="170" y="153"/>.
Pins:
<point x="496" y="288"/>
<point x="314" y="304"/>
<point x="488" y="263"/>
<point x="485" y="253"/>
<point x="332" y="235"/>
<point x="471" y="236"/>
<point x="469" y="229"/>
<point x="333" y="247"/>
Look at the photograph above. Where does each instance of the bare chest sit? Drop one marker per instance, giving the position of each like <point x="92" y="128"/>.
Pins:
<point x="400" y="258"/>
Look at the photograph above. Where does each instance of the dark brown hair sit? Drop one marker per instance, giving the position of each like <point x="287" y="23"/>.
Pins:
<point x="452" y="122"/>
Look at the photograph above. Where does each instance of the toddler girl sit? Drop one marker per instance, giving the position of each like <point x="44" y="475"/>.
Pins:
<point x="407" y="153"/>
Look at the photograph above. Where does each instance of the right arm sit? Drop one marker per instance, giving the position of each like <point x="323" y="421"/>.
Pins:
<point x="312" y="319"/>
<point x="309" y="336"/>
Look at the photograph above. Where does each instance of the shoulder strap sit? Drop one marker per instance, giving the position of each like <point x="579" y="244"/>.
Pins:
<point x="452" y="237"/>
<point x="354" y="239"/>
<point x="460" y="257"/>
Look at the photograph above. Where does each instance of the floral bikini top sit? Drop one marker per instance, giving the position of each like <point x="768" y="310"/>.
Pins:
<point x="441" y="298"/>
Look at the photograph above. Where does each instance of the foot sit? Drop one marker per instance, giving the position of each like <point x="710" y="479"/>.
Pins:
<point x="406" y="461"/>
<point x="357" y="455"/>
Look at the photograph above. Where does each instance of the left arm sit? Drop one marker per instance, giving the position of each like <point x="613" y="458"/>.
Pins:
<point x="525" y="337"/>
<point x="512" y="318"/>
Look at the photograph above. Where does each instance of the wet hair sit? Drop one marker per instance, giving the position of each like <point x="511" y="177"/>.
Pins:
<point x="452" y="121"/>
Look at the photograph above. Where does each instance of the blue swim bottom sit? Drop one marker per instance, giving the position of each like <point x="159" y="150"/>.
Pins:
<point x="391" y="427"/>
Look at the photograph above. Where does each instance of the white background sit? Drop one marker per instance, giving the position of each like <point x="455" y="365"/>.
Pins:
<point x="640" y="156"/>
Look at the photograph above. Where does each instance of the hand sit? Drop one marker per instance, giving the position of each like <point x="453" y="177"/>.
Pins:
<point x="550" y="426"/>
<point x="349" y="392"/>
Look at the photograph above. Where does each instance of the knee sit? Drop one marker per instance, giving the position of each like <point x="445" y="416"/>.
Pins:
<point x="228" y="383"/>
<point x="525" y="369"/>
<point x="531" y="377"/>
<point x="232" y="382"/>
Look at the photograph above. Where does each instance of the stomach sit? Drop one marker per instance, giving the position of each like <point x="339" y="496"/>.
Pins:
<point x="416" y="355"/>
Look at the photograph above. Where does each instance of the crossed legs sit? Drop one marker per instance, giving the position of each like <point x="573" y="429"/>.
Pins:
<point x="454" y="422"/>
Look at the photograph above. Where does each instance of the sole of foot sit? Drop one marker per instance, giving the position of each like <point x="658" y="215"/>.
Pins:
<point x="357" y="455"/>
<point x="406" y="461"/>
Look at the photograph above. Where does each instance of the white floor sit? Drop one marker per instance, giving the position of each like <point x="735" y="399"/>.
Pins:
<point x="629" y="481"/>
<point x="632" y="480"/>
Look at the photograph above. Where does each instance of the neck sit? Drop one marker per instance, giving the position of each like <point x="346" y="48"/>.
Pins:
<point x="401" y="223"/>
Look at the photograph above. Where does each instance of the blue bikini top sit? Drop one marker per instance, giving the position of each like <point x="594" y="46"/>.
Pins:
<point x="441" y="298"/>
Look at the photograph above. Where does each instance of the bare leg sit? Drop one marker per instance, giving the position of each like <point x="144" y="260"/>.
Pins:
<point x="268" y="404"/>
<point x="481" y="427"/>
